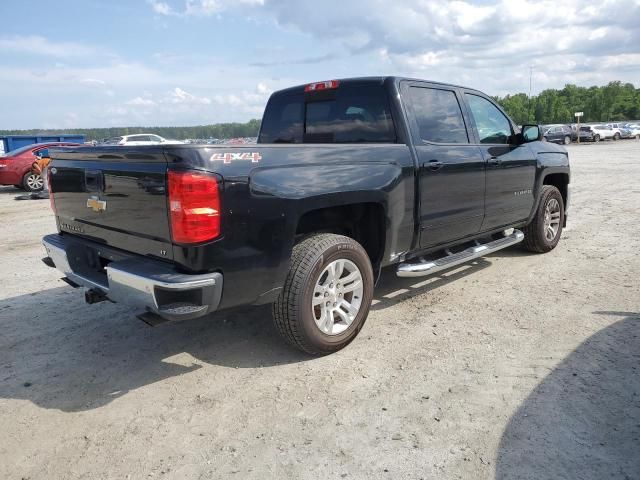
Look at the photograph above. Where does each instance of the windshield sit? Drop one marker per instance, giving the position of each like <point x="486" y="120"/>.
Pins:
<point x="351" y="113"/>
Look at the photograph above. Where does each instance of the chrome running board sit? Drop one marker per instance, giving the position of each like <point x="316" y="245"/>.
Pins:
<point x="421" y="269"/>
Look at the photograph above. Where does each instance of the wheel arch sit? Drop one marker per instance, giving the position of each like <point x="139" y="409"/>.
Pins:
<point x="560" y="180"/>
<point x="365" y="222"/>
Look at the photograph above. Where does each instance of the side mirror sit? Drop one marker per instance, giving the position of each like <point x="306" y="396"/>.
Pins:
<point x="531" y="133"/>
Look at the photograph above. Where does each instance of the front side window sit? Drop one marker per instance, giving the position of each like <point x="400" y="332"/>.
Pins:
<point x="493" y="127"/>
<point x="438" y="115"/>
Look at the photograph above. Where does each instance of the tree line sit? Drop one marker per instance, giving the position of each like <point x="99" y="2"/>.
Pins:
<point x="615" y="101"/>
<point x="219" y="130"/>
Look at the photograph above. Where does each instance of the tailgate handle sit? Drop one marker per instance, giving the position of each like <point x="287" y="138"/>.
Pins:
<point x="93" y="180"/>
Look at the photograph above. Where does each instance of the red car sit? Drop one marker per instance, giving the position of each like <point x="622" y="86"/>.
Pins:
<point x="15" y="166"/>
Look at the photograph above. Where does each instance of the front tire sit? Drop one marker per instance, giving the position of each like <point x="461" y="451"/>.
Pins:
<point x="567" y="140"/>
<point x="327" y="294"/>
<point x="544" y="232"/>
<point x="596" y="138"/>
<point x="616" y="136"/>
<point x="32" y="182"/>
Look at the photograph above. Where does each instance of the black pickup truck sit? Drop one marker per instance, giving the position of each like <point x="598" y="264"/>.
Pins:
<point x="347" y="177"/>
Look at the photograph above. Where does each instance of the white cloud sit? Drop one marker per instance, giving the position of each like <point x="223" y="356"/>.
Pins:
<point x="141" y="102"/>
<point x="37" y="45"/>
<point x="204" y="8"/>
<point x="92" y="81"/>
<point x="263" y="89"/>
<point x="160" y="7"/>
<point x="179" y="96"/>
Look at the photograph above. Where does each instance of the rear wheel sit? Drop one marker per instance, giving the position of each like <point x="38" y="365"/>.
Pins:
<point x="544" y="231"/>
<point x="327" y="294"/>
<point x="32" y="182"/>
<point x="596" y="138"/>
<point x="616" y="136"/>
<point x="567" y="140"/>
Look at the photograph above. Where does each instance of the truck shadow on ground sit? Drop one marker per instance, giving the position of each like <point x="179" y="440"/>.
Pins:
<point x="60" y="353"/>
<point x="10" y="190"/>
<point x="583" y="419"/>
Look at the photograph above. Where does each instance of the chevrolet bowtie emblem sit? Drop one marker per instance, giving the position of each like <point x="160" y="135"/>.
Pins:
<point x="95" y="204"/>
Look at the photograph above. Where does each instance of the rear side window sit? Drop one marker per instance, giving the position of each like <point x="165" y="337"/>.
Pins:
<point x="352" y="113"/>
<point x="438" y="115"/>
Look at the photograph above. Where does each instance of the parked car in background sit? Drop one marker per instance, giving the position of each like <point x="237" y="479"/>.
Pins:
<point x="9" y="143"/>
<point x="558" y="134"/>
<point x="619" y="131"/>
<point x="16" y="166"/>
<point x="595" y="133"/>
<point x="140" y="139"/>
<point x="634" y="129"/>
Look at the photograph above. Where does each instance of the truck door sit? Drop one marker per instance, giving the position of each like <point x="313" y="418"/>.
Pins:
<point x="511" y="167"/>
<point x="450" y="168"/>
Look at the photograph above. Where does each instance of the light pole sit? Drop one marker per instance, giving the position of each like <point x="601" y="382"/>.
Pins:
<point x="530" y="84"/>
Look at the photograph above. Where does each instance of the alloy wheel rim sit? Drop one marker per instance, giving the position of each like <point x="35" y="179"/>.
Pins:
<point x="337" y="297"/>
<point x="35" y="182"/>
<point x="552" y="219"/>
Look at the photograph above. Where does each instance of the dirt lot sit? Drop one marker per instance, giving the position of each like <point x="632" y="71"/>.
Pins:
<point x="517" y="366"/>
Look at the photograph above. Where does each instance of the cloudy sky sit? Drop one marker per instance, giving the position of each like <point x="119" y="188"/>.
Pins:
<point x="91" y="63"/>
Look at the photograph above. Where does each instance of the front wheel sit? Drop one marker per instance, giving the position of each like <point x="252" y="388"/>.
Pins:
<point x="567" y="140"/>
<point x="32" y="182"/>
<point x="596" y="138"/>
<point x="543" y="233"/>
<point x="327" y="294"/>
<point x="616" y="136"/>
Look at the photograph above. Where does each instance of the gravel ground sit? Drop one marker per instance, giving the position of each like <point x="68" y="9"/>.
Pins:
<point x="516" y="366"/>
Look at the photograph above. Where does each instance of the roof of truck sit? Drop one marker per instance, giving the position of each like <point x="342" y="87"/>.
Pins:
<point x="374" y="79"/>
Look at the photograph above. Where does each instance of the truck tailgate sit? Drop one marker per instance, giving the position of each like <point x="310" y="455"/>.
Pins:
<point x="115" y="196"/>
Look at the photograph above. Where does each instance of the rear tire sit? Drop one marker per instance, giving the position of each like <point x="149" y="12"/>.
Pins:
<point x="567" y="140"/>
<point x="312" y="312"/>
<point x="32" y="182"/>
<point x="544" y="232"/>
<point x="596" y="138"/>
<point x="616" y="136"/>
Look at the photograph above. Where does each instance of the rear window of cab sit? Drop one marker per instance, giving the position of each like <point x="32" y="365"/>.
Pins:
<point x="350" y="113"/>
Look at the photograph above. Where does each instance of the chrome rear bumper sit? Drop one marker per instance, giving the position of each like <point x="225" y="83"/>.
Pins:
<point x="144" y="283"/>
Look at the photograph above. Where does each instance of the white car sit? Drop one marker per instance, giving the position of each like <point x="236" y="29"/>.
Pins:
<point x="140" y="139"/>
<point x="595" y="133"/>
<point x="619" y="131"/>
<point x="634" y="128"/>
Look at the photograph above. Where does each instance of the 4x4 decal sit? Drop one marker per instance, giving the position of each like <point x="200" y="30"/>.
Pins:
<point x="228" y="157"/>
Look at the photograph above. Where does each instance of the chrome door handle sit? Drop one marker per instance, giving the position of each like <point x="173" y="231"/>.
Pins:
<point x="433" y="165"/>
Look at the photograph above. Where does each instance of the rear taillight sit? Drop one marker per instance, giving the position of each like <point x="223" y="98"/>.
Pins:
<point x="194" y="206"/>
<point x="48" y="186"/>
